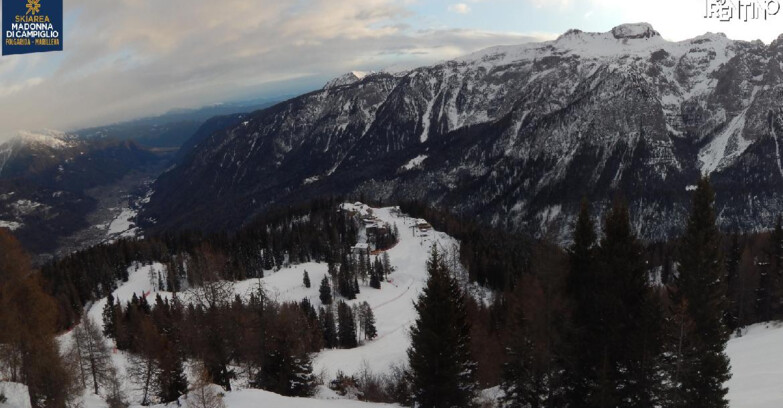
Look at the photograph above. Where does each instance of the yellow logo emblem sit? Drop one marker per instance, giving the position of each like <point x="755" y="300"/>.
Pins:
<point x="33" y="7"/>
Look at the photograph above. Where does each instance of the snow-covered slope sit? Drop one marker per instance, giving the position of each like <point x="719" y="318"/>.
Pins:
<point x="512" y="131"/>
<point x="392" y="306"/>
<point x="16" y="395"/>
<point x="757" y="367"/>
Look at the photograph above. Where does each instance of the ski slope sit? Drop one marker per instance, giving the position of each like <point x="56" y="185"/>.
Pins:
<point x="757" y="367"/>
<point x="756" y="358"/>
<point x="392" y="306"/>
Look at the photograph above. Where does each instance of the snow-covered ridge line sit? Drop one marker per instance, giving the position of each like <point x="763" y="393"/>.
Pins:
<point x="627" y="39"/>
<point x="54" y="139"/>
<point x="346" y="79"/>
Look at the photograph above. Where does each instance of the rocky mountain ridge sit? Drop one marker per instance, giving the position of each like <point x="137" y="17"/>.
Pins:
<point x="516" y="135"/>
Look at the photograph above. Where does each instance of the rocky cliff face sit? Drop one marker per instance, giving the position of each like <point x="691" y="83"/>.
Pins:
<point x="516" y="135"/>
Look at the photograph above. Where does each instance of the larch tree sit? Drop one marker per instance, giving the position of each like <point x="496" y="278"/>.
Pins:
<point x="94" y="359"/>
<point x="28" y="349"/>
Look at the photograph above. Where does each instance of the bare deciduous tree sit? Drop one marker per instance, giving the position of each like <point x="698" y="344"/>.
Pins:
<point x="204" y="393"/>
<point x="93" y="358"/>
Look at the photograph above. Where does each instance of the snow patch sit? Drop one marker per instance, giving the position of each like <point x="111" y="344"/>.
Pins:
<point x="756" y="367"/>
<point x="16" y="395"/>
<point x="12" y="225"/>
<point x="123" y="225"/>
<point x="719" y="152"/>
<point x="54" y="139"/>
<point x="311" y="180"/>
<point x="414" y="162"/>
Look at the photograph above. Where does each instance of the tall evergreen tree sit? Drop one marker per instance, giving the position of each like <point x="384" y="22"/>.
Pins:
<point x="768" y="294"/>
<point x="346" y="331"/>
<point x="442" y="371"/>
<point x="172" y="382"/>
<point x="306" y="279"/>
<point x="109" y="318"/>
<point x="532" y="375"/>
<point x="325" y="291"/>
<point x="368" y="321"/>
<point x="583" y="288"/>
<point x="732" y="282"/>
<point x="329" y="327"/>
<point x="701" y="367"/>
<point x="631" y="331"/>
<point x="375" y="281"/>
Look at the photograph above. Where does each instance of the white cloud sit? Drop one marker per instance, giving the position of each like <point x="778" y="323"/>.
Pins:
<point x="561" y="4"/>
<point x="674" y="19"/>
<point x="142" y="57"/>
<point x="460" y="8"/>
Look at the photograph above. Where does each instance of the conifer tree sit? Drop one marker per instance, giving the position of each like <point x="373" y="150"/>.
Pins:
<point x="375" y="281"/>
<point x="325" y="291"/>
<point x="328" y="326"/>
<point x="172" y="382"/>
<point x="582" y="288"/>
<point x="370" y="331"/>
<point x="306" y="279"/>
<point x="732" y="282"/>
<point x="387" y="268"/>
<point x="701" y="367"/>
<point x="441" y="370"/>
<point x="346" y="330"/>
<point x="529" y="376"/>
<point x="768" y="294"/>
<point x="109" y="318"/>
<point x="302" y="382"/>
<point x="631" y="329"/>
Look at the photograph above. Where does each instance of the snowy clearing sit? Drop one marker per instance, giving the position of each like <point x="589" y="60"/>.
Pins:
<point x="392" y="306"/>
<point x="757" y="367"/>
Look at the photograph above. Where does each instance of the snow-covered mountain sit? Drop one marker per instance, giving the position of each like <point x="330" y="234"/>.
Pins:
<point x="48" y="180"/>
<point x="345" y="79"/>
<point x="517" y="135"/>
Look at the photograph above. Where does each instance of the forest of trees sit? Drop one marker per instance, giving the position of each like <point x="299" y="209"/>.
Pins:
<point x="312" y="232"/>
<point x="609" y="321"/>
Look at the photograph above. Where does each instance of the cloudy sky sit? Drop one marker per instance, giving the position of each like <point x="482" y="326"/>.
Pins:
<point x="128" y="58"/>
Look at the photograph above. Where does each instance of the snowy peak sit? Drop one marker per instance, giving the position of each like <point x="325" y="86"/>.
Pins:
<point x="345" y="79"/>
<point x="53" y="139"/>
<point x="516" y="128"/>
<point x="634" y="31"/>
